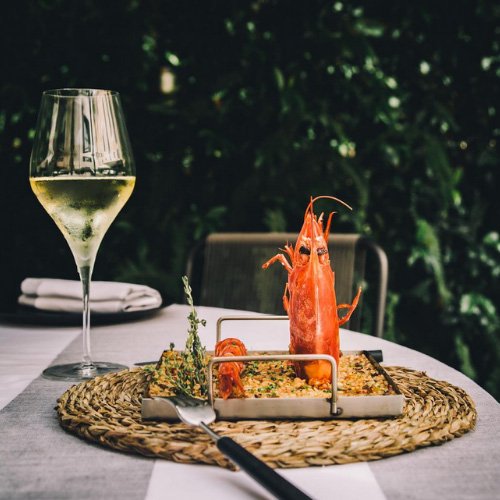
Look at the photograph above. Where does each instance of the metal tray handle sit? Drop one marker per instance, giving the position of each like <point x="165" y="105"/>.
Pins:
<point x="274" y="357"/>
<point x="245" y="318"/>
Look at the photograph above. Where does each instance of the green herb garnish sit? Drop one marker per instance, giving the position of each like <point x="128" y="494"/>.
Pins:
<point x="187" y="372"/>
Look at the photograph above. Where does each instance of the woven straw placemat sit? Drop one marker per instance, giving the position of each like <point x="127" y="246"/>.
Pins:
<point x="107" y="410"/>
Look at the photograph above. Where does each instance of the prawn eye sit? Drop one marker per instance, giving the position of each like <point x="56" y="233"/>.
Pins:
<point x="322" y="251"/>
<point x="304" y="250"/>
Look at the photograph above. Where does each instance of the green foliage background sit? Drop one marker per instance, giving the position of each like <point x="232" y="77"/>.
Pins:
<point x="390" y="106"/>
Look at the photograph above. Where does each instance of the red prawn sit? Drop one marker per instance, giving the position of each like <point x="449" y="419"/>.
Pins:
<point x="309" y="297"/>
<point x="229" y="372"/>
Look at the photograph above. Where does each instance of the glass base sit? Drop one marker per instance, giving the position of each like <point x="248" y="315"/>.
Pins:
<point x="77" y="372"/>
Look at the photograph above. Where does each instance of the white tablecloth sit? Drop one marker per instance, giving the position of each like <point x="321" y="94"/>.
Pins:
<point x="39" y="460"/>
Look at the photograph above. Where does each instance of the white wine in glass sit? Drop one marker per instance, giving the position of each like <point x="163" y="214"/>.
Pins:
<point x="82" y="172"/>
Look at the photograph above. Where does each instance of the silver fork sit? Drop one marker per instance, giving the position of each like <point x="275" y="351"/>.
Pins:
<point x="199" y="413"/>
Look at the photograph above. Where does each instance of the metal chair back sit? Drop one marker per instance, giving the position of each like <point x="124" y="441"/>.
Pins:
<point x="232" y="275"/>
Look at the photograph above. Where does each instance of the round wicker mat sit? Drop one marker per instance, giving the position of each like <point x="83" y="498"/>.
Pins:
<point x="107" y="410"/>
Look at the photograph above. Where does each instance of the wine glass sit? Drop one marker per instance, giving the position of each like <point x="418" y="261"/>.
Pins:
<point x="82" y="172"/>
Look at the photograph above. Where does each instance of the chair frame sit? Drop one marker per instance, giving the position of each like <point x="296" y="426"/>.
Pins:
<point x="381" y="269"/>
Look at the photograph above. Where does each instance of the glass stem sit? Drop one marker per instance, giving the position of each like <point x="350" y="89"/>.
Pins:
<point x="85" y="275"/>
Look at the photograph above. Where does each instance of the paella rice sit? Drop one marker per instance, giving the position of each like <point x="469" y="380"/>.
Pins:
<point x="277" y="379"/>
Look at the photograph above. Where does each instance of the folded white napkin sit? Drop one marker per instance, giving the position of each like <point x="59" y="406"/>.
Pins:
<point x="105" y="297"/>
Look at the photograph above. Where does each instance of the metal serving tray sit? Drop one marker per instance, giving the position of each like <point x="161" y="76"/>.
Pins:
<point x="334" y="406"/>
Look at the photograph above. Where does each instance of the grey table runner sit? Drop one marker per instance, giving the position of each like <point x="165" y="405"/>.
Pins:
<point x="41" y="461"/>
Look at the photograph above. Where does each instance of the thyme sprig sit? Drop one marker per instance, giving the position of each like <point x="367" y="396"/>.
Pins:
<point x="187" y="372"/>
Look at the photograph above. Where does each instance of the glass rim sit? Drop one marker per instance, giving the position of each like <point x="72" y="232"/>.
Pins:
<point x="68" y="92"/>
